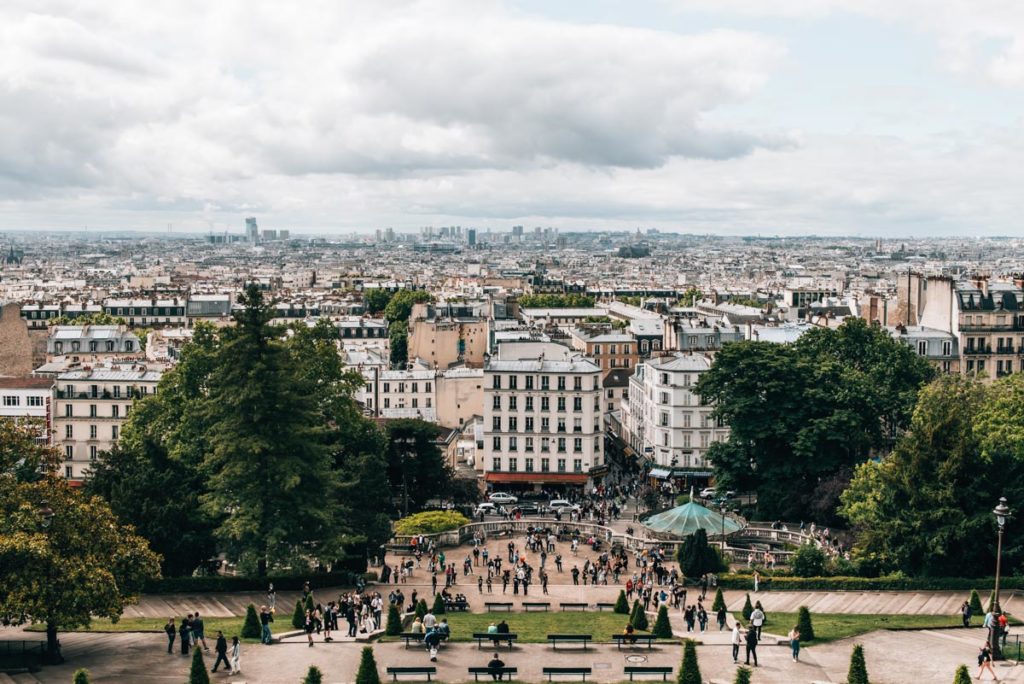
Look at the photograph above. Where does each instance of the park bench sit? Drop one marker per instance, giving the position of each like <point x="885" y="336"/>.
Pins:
<point x="573" y="606"/>
<point x="429" y="671"/>
<point x="555" y="639"/>
<point x="632" y="670"/>
<point x="581" y="671"/>
<point x="411" y="636"/>
<point x="494" y="637"/>
<point x="605" y="606"/>
<point x="492" y="607"/>
<point x="462" y="606"/>
<point x="488" y="671"/>
<point x="545" y="605"/>
<point x="630" y="639"/>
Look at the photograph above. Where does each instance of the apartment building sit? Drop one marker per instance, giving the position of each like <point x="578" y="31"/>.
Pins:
<point x="664" y="420"/>
<point x="91" y="343"/>
<point x="90" y="406"/>
<point x="449" y="398"/>
<point x="609" y="348"/>
<point x="148" y="312"/>
<point x="28" y="400"/>
<point x="446" y="335"/>
<point x="939" y="347"/>
<point x="543" y="422"/>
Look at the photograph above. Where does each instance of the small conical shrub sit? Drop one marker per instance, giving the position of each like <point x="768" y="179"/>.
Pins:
<point x="639" y="617"/>
<point x="719" y="601"/>
<point x="438" y="604"/>
<point x="251" y="628"/>
<point x="689" y="671"/>
<point x="394" y="624"/>
<point x="858" y="673"/>
<point x="991" y="602"/>
<point x="803" y="624"/>
<point x="299" y="616"/>
<point x="662" y="627"/>
<point x="198" y="674"/>
<point x="742" y="676"/>
<point x="962" y="675"/>
<point x="621" y="604"/>
<point x="81" y="677"/>
<point x="975" y="602"/>
<point x="314" y="676"/>
<point x="748" y="608"/>
<point x="421" y="608"/>
<point x="367" y="673"/>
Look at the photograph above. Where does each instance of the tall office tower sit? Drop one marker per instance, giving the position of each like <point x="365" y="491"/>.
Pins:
<point x="471" y="237"/>
<point x="252" y="232"/>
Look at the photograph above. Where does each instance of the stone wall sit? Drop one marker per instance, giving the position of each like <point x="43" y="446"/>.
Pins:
<point x="15" y="344"/>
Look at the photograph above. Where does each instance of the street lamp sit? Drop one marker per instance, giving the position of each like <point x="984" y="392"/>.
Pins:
<point x="52" y="655"/>
<point x="1002" y="512"/>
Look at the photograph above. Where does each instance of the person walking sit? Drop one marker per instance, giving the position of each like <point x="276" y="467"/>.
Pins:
<point x="757" y="580"/>
<point x="794" y="643"/>
<point x="985" y="662"/>
<point x="737" y="639"/>
<point x="172" y="631"/>
<point x="752" y="639"/>
<point x="721" y="616"/>
<point x="309" y="626"/>
<point x="236" y="656"/>
<point x="221" y="647"/>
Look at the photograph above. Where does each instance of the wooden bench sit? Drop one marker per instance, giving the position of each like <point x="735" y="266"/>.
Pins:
<point x="556" y="638"/>
<point x="489" y="671"/>
<point x="546" y="605"/>
<point x="581" y="671"/>
<point x="495" y="638"/>
<point x="573" y="606"/>
<point x="430" y="671"/>
<point x="632" y="670"/>
<point x="605" y="606"/>
<point x="411" y="636"/>
<point x="631" y="639"/>
<point x="492" y="607"/>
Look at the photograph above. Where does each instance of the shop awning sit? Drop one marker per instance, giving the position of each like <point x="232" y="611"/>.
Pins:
<point x="538" y="478"/>
<point x="660" y="473"/>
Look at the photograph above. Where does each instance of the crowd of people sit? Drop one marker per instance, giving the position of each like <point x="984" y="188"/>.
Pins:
<point x="191" y="634"/>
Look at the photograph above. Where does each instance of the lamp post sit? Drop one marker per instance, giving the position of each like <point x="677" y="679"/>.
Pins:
<point x="52" y="655"/>
<point x="1002" y="512"/>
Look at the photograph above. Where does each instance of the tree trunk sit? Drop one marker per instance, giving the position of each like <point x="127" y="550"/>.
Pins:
<point x="52" y="645"/>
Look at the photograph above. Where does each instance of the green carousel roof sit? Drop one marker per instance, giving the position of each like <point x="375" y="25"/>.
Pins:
<point x="682" y="521"/>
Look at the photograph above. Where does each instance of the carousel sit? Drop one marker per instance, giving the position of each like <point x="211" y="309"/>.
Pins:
<point x="682" y="521"/>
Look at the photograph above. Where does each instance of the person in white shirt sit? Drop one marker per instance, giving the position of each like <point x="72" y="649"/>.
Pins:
<point x="429" y="621"/>
<point x="737" y="639"/>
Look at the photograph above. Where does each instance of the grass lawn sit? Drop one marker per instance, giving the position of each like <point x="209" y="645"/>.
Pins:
<point x="832" y="626"/>
<point x="533" y="628"/>
<point x="230" y="626"/>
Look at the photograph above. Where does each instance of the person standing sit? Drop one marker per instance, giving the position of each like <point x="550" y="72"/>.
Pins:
<point x="752" y="639"/>
<point x="236" y="656"/>
<point x="198" y="632"/>
<point x="185" y="636"/>
<point x="737" y="639"/>
<point x="757" y="619"/>
<point x="309" y="626"/>
<point x="721" y="617"/>
<point x="757" y="580"/>
<point x="965" y="613"/>
<point x="794" y="643"/>
<point x="221" y="647"/>
<point x="271" y="596"/>
<point x="172" y="631"/>
<point x="266" y="617"/>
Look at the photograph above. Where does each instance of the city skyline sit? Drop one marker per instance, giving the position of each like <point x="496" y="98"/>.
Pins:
<point x="832" y="118"/>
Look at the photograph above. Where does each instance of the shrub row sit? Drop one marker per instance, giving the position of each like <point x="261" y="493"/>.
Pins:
<point x="784" y="583"/>
<point x="181" y="585"/>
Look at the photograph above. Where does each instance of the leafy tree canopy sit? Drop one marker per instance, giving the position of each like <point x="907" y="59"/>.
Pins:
<point x="399" y="307"/>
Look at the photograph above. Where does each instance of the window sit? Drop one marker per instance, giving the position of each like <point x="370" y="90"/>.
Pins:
<point x="513" y="424"/>
<point x="664" y="378"/>
<point x="67" y="471"/>
<point x="92" y="432"/>
<point x="644" y="347"/>
<point x="704" y="440"/>
<point x="529" y="403"/>
<point x="529" y="444"/>
<point x="129" y="346"/>
<point x="561" y="424"/>
<point x="561" y="465"/>
<point x="496" y="402"/>
<point x="429" y="404"/>
<point x="496" y="382"/>
<point x="614" y="349"/>
<point x="686" y="420"/>
<point x="92" y="452"/>
<point x="496" y="443"/>
<point x="664" y="439"/>
<point x="93" y="346"/>
<point x="922" y="347"/>
<point x="92" y="410"/>
<point x="35" y="401"/>
<point x="428" y="387"/>
<point x="513" y="382"/>
<point x="561" y="445"/>
<point x="496" y="423"/>
<point x="545" y="444"/>
<point x="561" y="403"/>
<point x="597" y="349"/>
<point x="75" y="346"/>
<point x="529" y="423"/>
<point x="577" y="444"/>
<point x="110" y="345"/>
<point x="577" y="425"/>
<point x="544" y="382"/>
<point x="545" y="404"/>
<point x="686" y="440"/>
<point x="12" y="401"/>
<point x="577" y="404"/>
<point x="561" y="382"/>
<point x="664" y="418"/>
<point x="387" y="387"/>
<point x="513" y="444"/>
<point x="577" y="465"/>
<point x="69" y="452"/>
<point x="545" y="465"/>
<point x="114" y="430"/>
<point x="529" y="382"/>
<point x="67" y="410"/>
<point x="496" y="464"/>
<point x="512" y="403"/>
<point x="513" y="465"/>
<point x="69" y="432"/>
<point x="529" y="465"/>
<point x="577" y="383"/>
<point x="387" y="402"/>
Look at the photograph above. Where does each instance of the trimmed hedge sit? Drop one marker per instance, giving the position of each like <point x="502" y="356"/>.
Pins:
<point x="430" y="522"/>
<point x="789" y="583"/>
<point x="210" y="583"/>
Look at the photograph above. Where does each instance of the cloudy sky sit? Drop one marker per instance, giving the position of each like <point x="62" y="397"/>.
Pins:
<point x="868" y="117"/>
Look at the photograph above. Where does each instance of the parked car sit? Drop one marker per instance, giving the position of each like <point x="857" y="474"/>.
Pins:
<point x="502" y="498"/>
<point x="707" y="493"/>
<point x="562" y="506"/>
<point x="486" y="508"/>
<point x="527" y="509"/>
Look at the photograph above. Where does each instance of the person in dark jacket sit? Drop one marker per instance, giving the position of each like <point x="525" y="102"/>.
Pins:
<point x="752" y="644"/>
<point x="185" y="635"/>
<point x="172" y="631"/>
<point x="221" y="647"/>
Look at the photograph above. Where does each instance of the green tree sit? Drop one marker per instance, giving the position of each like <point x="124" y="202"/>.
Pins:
<point x="621" y="604"/>
<point x="696" y="557"/>
<point x="367" y="673"/>
<point x="809" y="561"/>
<point x="804" y="625"/>
<point x="742" y="676"/>
<point x="23" y="458"/>
<point x="438" y="608"/>
<point x="81" y="677"/>
<point x="690" y="297"/>
<point x="858" y="672"/>
<point x="748" y="608"/>
<point x="197" y="674"/>
<point x="251" y="628"/>
<point x="299" y="615"/>
<point x="394" y="623"/>
<point x="926" y="509"/>
<point x="398" y="334"/>
<point x="962" y="675"/>
<point x="719" y="601"/>
<point x="313" y="676"/>
<point x="416" y="470"/>
<point x="689" y="670"/>
<point x="802" y="415"/>
<point x="421" y="608"/>
<point x="638" y="618"/>
<point x="662" y="627"/>
<point x="975" y="603"/>
<point x="399" y="308"/>
<point x="268" y="461"/>
<point x="65" y="558"/>
<point x="376" y="299"/>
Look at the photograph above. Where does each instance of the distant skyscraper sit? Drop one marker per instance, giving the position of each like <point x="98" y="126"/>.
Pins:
<point x="252" y="232"/>
<point x="471" y="237"/>
<point x="284" y="234"/>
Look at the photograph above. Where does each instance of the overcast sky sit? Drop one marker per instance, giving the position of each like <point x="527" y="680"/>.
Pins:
<point x="869" y="117"/>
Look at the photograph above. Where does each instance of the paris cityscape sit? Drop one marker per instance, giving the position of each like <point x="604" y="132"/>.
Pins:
<point x="667" y="340"/>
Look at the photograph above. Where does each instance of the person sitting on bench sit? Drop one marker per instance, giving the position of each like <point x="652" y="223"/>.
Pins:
<point x="628" y="632"/>
<point x="502" y="627"/>
<point x="444" y="630"/>
<point x="417" y="626"/>
<point x="495" y="666"/>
